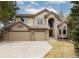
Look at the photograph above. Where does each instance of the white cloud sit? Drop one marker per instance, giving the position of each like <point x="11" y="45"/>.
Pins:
<point x="34" y="3"/>
<point x="29" y="7"/>
<point x="20" y="2"/>
<point x="34" y="11"/>
<point x="56" y="2"/>
<point x="51" y="9"/>
<point x="26" y="7"/>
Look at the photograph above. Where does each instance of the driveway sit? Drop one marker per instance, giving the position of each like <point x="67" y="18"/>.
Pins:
<point x="24" y="49"/>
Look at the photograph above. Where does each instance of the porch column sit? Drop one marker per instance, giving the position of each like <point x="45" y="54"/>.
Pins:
<point x="55" y="29"/>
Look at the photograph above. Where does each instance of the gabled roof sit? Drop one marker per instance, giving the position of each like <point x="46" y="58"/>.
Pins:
<point x="56" y="15"/>
<point x="62" y="23"/>
<point x="25" y="15"/>
<point x="33" y="15"/>
<point x="13" y="24"/>
<point x="42" y="11"/>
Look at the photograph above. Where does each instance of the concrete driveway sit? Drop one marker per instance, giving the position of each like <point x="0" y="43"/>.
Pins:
<point x="24" y="49"/>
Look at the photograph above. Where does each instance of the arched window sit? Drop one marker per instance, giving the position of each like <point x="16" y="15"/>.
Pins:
<point x="50" y="22"/>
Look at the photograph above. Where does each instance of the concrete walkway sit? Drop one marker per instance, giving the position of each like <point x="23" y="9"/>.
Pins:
<point x="24" y="49"/>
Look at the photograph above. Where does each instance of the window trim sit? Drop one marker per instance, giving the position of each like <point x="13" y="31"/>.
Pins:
<point x="39" y="21"/>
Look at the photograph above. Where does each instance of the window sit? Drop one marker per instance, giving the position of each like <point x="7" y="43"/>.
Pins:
<point x="39" y="21"/>
<point x="50" y="22"/>
<point x="64" y="31"/>
<point x="59" y="31"/>
<point x="22" y="19"/>
<point x="26" y="20"/>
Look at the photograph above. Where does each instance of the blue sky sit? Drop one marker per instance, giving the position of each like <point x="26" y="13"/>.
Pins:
<point x="28" y="7"/>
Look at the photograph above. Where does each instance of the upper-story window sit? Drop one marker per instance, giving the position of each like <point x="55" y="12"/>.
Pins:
<point x="22" y="19"/>
<point x="26" y="20"/>
<point x="39" y="21"/>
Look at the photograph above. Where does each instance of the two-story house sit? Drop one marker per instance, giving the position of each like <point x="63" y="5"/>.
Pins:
<point x="40" y="26"/>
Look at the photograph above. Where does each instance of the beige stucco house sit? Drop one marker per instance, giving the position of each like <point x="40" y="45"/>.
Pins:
<point x="36" y="27"/>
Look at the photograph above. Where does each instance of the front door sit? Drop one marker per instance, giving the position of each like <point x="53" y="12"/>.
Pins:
<point x="50" y="33"/>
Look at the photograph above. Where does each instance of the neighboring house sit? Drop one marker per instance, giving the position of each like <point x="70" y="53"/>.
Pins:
<point x="40" y="26"/>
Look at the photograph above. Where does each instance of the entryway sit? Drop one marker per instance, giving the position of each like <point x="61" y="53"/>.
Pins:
<point x="51" y="25"/>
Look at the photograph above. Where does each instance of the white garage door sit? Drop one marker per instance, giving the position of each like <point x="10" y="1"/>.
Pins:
<point x="19" y="36"/>
<point x="39" y="36"/>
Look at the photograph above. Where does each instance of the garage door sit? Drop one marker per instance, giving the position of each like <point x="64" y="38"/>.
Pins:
<point x="19" y="36"/>
<point x="39" y="36"/>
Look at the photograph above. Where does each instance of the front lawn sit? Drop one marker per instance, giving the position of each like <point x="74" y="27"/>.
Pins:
<point x="61" y="49"/>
